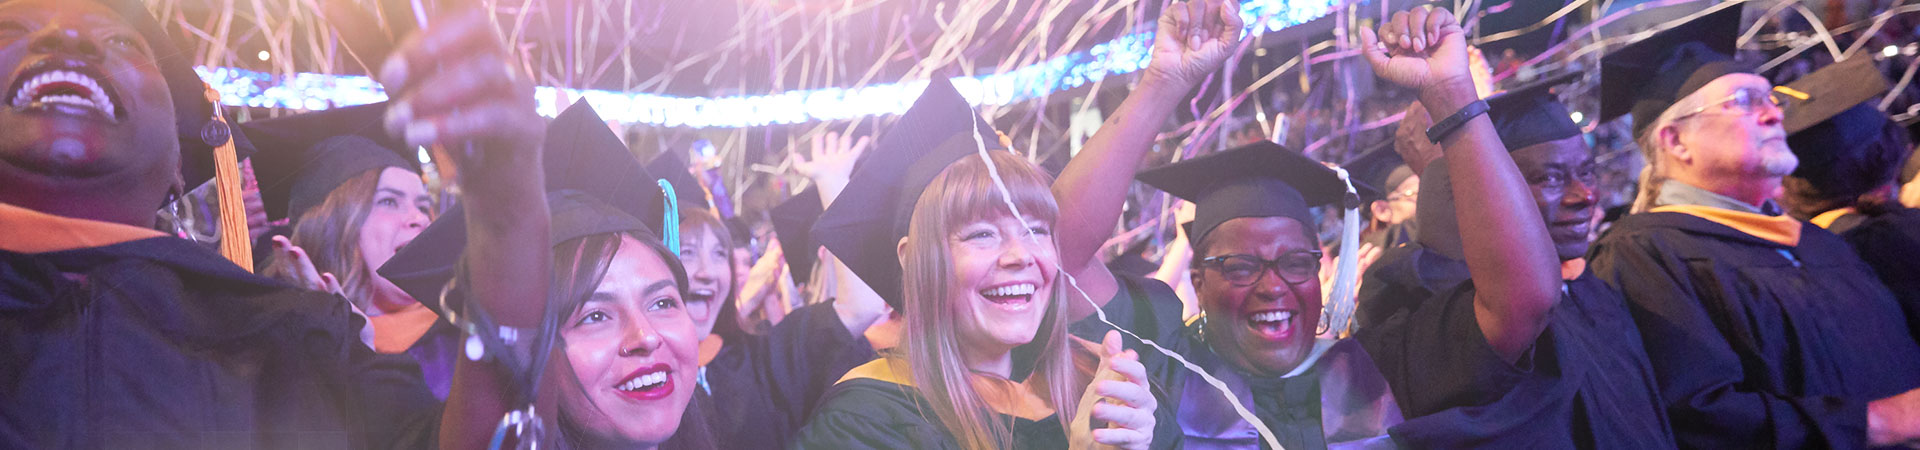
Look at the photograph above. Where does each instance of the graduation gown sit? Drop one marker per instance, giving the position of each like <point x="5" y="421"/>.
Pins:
<point x="876" y="406"/>
<point x="1335" y="399"/>
<point x="1757" y="343"/>
<point x="116" y="337"/>
<point x="1585" y="383"/>
<point x="762" y="388"/>
<point x="1890" y="243"/>
<point x="1148" y="308"/>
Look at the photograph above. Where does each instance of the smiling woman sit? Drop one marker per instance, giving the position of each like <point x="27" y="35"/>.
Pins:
<point x="986" y="361"/>
<point x="625" y="363"/>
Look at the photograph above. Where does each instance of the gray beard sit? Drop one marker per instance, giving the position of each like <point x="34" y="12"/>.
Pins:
<point x="1779" y="163"/>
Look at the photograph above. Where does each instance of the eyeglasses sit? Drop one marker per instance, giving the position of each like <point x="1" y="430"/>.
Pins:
<point x="1245" y="270"/>
<point x="1411" y="195"/>
<point x="1748" y="101"/>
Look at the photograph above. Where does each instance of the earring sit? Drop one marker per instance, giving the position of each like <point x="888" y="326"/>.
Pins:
<point x="175" y="215"/>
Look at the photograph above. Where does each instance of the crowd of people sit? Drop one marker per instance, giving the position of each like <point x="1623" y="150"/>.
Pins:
<point x="934" y="289"/>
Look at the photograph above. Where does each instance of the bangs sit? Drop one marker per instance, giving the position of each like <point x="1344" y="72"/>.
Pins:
<point x="976" y="197"/>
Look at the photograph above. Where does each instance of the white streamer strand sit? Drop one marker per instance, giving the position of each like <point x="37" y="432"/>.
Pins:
<point x="1006" y="195"/>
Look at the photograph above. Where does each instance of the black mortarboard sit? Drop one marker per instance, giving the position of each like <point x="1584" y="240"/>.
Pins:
<point x="1261" y="179"/>
<point x="1832" y="91"/>
<point x="1836" y="124"/>
<point x="193" y="114"/>
<point x="1378" y="166"/>
<point x="864" y="225"/>
<point x="581" y="154"/>
<point x="1532" y="114"/>
<point x="1647" y="77"/>
<point x="577" y="214"/>
<point x="303" y="157"/>
<point x="668" y="166"/>
<point x="793" y="226"/>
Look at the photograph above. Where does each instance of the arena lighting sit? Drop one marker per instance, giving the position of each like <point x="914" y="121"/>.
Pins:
<point x="1123" y="55"/>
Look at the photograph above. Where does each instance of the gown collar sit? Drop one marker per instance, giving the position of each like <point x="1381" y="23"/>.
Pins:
<point x="30" y="232"/>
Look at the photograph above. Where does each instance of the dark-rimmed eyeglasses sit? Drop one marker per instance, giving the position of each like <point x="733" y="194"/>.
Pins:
<point x="1245" y="270"/>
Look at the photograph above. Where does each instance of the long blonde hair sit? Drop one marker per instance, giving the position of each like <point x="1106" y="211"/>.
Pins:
<point x="963" y="193"/>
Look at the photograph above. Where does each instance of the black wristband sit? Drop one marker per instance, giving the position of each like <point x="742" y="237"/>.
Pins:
<point x="1452" y="123"/>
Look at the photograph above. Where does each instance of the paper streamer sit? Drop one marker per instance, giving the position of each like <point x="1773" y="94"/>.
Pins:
<point x="1006" y="195"/>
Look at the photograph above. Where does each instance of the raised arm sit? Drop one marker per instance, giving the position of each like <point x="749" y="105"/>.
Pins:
<point x="457" y="91"/>
<point x="829" y="166"/>
<point x="1192" y="39"/>
<point x="1515" y="271"/>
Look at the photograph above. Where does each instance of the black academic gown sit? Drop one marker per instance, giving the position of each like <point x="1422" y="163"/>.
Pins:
<point x="1585" y="384"/>
<point x="1890" y="243"/>
<point x="1339" y="401"/>
<point x="762" y="388"/>
<point x="160" y="343"/>
<point x="866" y="413"/>
<point x="1751" y="348"/>
<point x="875" y="407"/>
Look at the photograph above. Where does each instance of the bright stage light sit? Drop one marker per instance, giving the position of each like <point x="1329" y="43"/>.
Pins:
<point x="1123" y="55"/>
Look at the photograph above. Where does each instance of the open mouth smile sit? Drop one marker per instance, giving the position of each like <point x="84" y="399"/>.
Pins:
<point x="648" y="383"/>
<point x="1011" y="297"/>
<point x="65" y="87"/>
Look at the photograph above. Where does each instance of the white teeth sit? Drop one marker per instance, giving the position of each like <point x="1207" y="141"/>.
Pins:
<point x="96" y="98"/>
<point x="1009" y="291"/>
<point x="1273" y="316"/>
<point x="645" y="381"/>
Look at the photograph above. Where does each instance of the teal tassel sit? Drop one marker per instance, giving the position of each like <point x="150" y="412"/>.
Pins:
<point x="670" y="219"/>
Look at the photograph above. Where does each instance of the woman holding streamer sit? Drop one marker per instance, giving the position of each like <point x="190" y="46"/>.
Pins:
<point x="1193" y="40"/>
<point x="1307" y="392"/>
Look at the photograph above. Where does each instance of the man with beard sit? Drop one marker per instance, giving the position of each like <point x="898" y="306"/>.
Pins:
<point x="118" y="336"/>
<point x="1763" y="331"/>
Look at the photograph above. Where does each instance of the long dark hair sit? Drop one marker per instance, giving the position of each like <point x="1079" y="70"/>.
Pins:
<point x="579" y="265"/>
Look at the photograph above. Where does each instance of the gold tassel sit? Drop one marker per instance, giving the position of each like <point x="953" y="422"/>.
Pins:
<point x="236" y="243"/>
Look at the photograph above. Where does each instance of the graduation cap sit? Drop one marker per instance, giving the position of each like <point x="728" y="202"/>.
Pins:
<point x="577" y="214"/>
<point x="1523" y="117"/>
<point x="1646" y="78"/>
<point x="193" y="115"/>
<point x="1836" y="131"/>
<point x="582" y="154"/>
<point x="1832" y="91"/>
<point x="865" y="223"/>
<point x="793" y="222"/>
<point x="303" y="157"/>
<point x="1261" y="179"/>
<point x="1379" y="165"/>
<point x="1532" y="114"/>
<point x="687" y="189"/>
